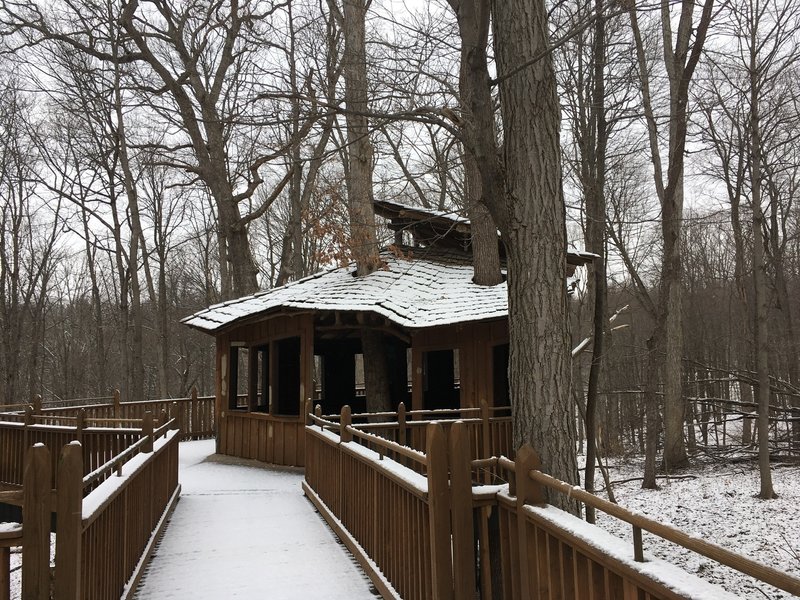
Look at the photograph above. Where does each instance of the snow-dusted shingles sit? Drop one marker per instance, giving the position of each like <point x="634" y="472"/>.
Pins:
<point x="413" y="292"/>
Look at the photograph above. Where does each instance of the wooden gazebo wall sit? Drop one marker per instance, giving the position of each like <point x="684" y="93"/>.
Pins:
<point x="474" y="342"/>
<point x="280" y="440"/>
<point x="262" y="436"/>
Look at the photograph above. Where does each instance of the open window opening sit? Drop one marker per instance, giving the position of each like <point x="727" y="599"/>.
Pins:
<point x="440" y="372"/>
<point x="286" y="377"/>
<point x="259" y="379"/>
<point x="340" y="377"/>
<point x="239" y="368"/>
<point x="500" y="387"/>
<point x="337" y="376"/>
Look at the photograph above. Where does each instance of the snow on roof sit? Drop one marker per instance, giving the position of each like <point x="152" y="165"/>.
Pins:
<point x="415" y="291"/>
<point x="419" y="211"/>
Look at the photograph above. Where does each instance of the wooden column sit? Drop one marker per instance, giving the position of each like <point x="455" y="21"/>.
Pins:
<point x="439" y="513"/>
<point x="528" y="492"/>
<point x="461" y="503"/>
<point x="69" y="524"/>
<point x="36" y="527"/>
<point x="416" y="379"/>
<point x="221" y="389"/>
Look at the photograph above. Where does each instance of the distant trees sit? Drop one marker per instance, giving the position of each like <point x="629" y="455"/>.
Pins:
<point x="183" y="153"/>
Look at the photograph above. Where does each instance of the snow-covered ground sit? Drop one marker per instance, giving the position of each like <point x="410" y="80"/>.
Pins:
<point x="717" y="505"/>
<point x="247" y="531"/>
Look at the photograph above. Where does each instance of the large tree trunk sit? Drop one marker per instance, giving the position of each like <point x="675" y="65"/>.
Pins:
<point x="535" y="235"/>
<point x="363" y="238"/>
<point x="485" y="248"/>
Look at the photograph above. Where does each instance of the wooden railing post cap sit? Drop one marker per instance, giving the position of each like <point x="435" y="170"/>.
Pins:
<point x="527" y="455"/>
<point x="344" y="422"/>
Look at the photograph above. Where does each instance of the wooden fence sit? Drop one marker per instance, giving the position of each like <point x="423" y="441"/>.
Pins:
<point x="194" y="415"/>
<point x="488" y="429"/>
<point x="436" y="531"/>
<point x="107" y="520"/>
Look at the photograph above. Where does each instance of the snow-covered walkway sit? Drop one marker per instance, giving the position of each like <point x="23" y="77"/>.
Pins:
<point x="245" y="531"/>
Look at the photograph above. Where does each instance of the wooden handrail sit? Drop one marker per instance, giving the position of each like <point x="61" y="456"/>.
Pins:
<point x="323" y="422"/>
<point x="111" y="464"/>
<point x="162" y="429"/>
<point x="388" y="445"/>
<point x="507" y="464"/>
<point x="131" y="450"/>
<point x="710" y="550"/>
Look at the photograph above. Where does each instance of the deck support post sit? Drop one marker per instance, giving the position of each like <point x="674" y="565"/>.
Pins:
<point x="439" y="513"/>
<point x="69" y="523"/>
<point x="36" y="529"/>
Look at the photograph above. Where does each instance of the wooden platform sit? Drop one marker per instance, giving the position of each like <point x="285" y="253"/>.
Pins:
<point x="247" y="531"/>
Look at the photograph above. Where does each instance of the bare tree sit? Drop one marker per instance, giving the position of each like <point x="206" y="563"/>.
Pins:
<point x="681" y="54"/>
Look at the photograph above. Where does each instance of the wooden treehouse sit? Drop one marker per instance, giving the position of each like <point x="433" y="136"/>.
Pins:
<point x="446" y="339"/>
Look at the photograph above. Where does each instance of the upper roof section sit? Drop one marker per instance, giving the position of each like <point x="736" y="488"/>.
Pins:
<point x="447" y="229"/>
<point x="418" y="288"/>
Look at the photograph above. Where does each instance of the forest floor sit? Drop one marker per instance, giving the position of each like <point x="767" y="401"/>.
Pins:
<point x="715" y="500"/>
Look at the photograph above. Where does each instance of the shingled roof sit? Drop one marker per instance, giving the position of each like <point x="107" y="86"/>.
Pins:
<point x="423" y="288"/>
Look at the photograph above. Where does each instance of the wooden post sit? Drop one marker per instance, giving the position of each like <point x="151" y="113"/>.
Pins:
<point x="176" y="414"/>
<point x="147" y="431"/>
<point x="638" y="547"/>
<point x="37" y="404"/>
<point x="486" y="434"/>
<point x="309" y="409"/>
<point x="28" y="423"/>
<point x="80" y="423"/>
<point x="401" y="421"/>
<point x="345" y="421"/>
<point x="195" y="422"/>
<point x="439" y="513"/>
<point x="318" y="413"/>
<point x="117" y="405"/>
<point x="36" y="524"/>
<point x="69" y="525"/>
<point x="528" y="492"/>
<point x="461" y="503"/>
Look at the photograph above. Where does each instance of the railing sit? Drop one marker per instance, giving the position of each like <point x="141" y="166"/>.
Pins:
<point x="382" y="510"/>
<point x="195" y="414"/>
<point x="107" y="520"/>
<point x="570" y="558"/>
<point x="411" y="518"/>
<point x="488" y="429"/>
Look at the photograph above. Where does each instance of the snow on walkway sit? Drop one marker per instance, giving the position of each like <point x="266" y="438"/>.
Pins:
<point x="246" y="531"/>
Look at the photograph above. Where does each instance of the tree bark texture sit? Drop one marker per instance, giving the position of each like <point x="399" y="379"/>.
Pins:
<point x="363" y="236"/>
<point x="485" y="247"/>
<point x="535" y="234"/>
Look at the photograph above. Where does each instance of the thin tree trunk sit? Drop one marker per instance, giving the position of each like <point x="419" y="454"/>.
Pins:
<point x="596" y="228"/>
<point x="760" y="324"/>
